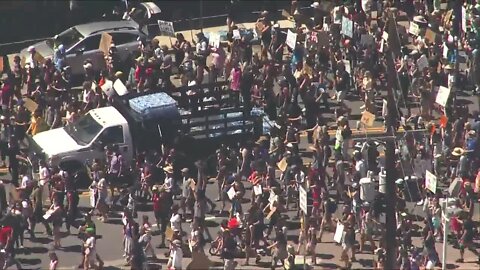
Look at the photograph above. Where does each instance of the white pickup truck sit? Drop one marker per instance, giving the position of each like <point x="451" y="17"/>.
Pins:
<point x="140" y="122"/>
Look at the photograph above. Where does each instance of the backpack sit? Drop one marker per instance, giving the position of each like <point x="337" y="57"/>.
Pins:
<point x="331" y="206"/>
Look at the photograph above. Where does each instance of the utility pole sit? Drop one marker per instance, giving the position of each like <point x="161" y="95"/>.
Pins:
<point x="391" y="124"/>
<point x="201" y="15"/>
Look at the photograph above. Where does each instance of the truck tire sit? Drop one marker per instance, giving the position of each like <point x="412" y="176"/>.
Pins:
<point x="78" y="171"/>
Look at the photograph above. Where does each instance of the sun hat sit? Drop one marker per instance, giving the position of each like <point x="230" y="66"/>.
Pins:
<point x="458" y="151"/>
<point x="168" y="169"/>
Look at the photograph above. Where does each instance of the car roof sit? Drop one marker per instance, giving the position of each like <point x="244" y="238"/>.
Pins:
<point x="88" y="29"/>
<point x="108" y="116"/>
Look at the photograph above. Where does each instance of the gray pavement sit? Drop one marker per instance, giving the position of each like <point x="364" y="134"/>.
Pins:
<point x="35" y="254"/>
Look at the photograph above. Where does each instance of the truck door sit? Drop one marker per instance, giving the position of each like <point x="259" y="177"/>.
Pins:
<point x="114" y="136"/>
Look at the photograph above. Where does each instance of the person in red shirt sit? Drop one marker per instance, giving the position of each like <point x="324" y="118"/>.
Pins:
<point x="6" y="235"/>
<point x="162" y="204"/>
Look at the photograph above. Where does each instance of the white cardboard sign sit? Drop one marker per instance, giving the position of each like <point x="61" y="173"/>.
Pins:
<point x="166" y="28"/>
<point x="442" y="96"/>
<point x="430" y="181"/>
<point x="291" y="39"/>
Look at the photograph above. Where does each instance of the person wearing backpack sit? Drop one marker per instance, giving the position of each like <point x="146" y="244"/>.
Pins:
<point x="329" y="208"/>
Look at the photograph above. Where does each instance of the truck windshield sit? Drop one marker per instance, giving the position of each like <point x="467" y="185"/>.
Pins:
<point x="84" y="130"/>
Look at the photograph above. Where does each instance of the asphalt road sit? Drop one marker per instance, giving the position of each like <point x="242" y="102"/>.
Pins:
<point x="35" y="254"/>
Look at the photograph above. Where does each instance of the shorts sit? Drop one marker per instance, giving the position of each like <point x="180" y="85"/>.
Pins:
<point x="346" y="247"/>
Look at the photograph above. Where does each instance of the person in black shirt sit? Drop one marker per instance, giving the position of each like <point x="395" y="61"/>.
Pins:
<point x="229" y="246"/>
<point x="13" y="165"/>
<point x="466" y="240"/>
<point x="280" y="249"/>
<point x="246" y="83"/>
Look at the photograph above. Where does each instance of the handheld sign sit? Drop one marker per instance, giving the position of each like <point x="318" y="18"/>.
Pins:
<point x="166" y="28"/>
<point x="414" y="29"/>
<point x="367" y="119"/>
<point x="303" y="199"/>
<point x="236" y="34"/>
<point x="291" y="39"/>
<point x="430" y="181"/>
<point x="338" y="236"/>
<point x="105" y="41"/>
<point x="120" y="88"/>
<point x="442" y="96"/>
<point x="422" y="62"/>
<point x="347" y="27"/>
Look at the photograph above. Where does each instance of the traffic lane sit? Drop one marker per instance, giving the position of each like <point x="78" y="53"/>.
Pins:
<point x="110" y="246"/>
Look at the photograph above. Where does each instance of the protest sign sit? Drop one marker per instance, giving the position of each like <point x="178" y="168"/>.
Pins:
<point x="367" y="119"/>
<point x="120" y="88"/>
<point x="257" y="189"/>
<point x="236" y="34"/>
<point x="443" y="6"/>
<point x="385" y="36"/>
<point x="464" y="19"/>
<point x="282" y="164"/>
<point x="414" y="29"/>
<point x="166" y="28"/>
<point x="338" y="236"/>
<point x="214" y="40"/>
<point x="430" y="36"/>
<point x="31" y="105"/>
<point x="291" y="39"/>
<point x="422" y="62"/>
<point x="303" y="199"/>
<point x="347" y="27"/>
<point x="430" y="182"/>
<point x="442" y="96"/>
<point x="105" y="41"/>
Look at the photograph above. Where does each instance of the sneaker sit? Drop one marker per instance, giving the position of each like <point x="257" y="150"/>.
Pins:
<point x="459" y="260"/>
<point x="420" y="203"/>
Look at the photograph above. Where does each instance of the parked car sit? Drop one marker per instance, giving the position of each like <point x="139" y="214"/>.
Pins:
<point x="82" y="42"/>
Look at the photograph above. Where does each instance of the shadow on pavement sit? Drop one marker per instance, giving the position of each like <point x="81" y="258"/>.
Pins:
<point x="74" y="248"/>
<point x="38" y="250"/>
<point x="451" y="266"/>
<point x="29" y="261"/>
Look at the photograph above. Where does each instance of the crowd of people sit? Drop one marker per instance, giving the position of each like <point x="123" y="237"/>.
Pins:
<point x="299" y="83"/>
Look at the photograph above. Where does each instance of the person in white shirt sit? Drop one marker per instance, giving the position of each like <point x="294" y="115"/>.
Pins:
<point x="175" y="219"/>
<point x="360" y="166"/>
<point x="90" y="249"/>
<point x="25" y="181"/>
<point x="176" y="255"/>
<point x="31" y="57"/>
<point x="168" y="183"/>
